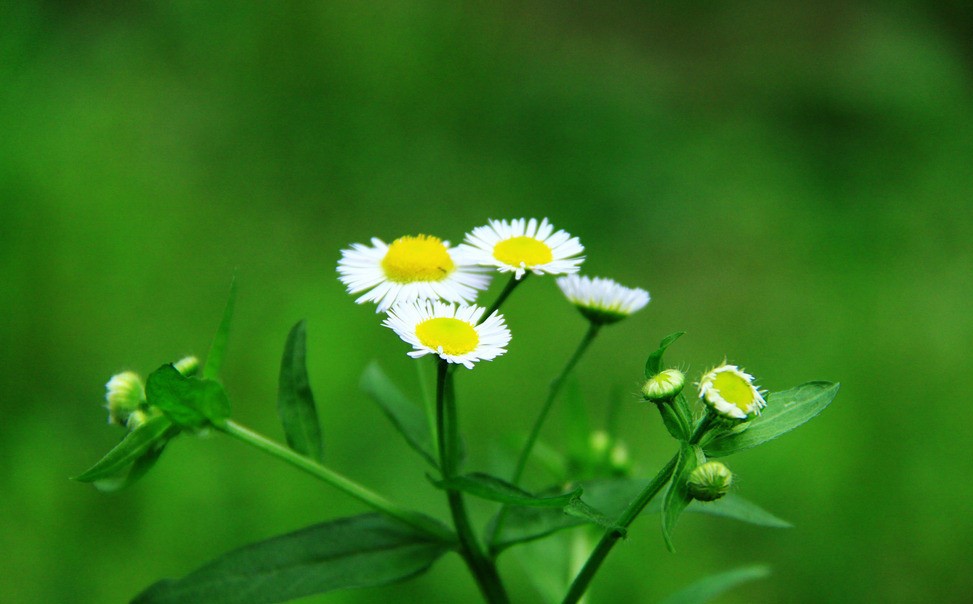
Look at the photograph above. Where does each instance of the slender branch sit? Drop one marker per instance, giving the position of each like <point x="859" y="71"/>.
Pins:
<point x="612" y="535"/>
<point x="535" y="431"/>
<point x="368" y="497"/>
<point x="552" y="393"/>
<point x="507" y="290"/>
<point x="483" y="569"/>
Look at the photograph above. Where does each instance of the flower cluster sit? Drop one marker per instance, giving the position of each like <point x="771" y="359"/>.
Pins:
<point x="428" y="288"/>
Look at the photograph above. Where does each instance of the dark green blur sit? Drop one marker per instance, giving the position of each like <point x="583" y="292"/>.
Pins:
<point x="792" y="182"/>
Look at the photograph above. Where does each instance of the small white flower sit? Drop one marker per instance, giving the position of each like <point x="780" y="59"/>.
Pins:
<point x="730" y="392"/>
<point x="409" y="269"/>
<point x="602" y="300"/>
<point x="453" y="333"/>
<point x="523" y="245"/>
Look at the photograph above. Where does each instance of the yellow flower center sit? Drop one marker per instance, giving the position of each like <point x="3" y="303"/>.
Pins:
<point x="525" y="251"/>
<point x="734" y="390"/>
<point x="421" y="258"/>
<point x="456" y="337"/>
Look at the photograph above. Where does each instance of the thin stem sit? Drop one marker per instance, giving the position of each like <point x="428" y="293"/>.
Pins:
<point x="507" y="290"/>
<point x="483" y="569"/>
<point x="549" y="401"/>
<point x="612" y="535"/>
<point x="368" y="497"/>
<point x="535" y="431"/>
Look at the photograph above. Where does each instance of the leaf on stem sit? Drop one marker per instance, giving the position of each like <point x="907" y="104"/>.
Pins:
<point x="138" y="444"/>
<point x="730" y="506"/>
<point x="214" y="360"/>
<point x="603" y="500"/>
<point x="677" y="496"/>
<point x="496" y="489"/>
<point x="407" y="418"/>
<point x="708" y="588"/>
<point x="359" y="551"/>
<point x="295" y="401"/>
<point x="653" y="364"/>
<point x="188" y="401"/>
<point x="785" y="411"/>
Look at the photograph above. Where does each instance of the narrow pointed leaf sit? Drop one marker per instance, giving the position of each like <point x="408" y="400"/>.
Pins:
<point x="134" y="446"/>
<point x="603" y="501"/>
<point x="730" y="506"/>
<point x="139" y="468"/>
<point x="677" y="497"/>
<point x="295" y="402"/>
<point x="214" y="360"/>
<point x="704" y="590"/>
<point x="407" y="418"/>
<point x="188" y="401"/>
<point x="360" y="551"/>
<point x="653" y="364"/>
<point x="492" y="488"/>
<point x="785" y="411"/>
<point x="738" y="508"/>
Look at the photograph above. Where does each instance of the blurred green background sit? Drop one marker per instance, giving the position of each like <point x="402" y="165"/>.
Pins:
<point x="793" y="183"/>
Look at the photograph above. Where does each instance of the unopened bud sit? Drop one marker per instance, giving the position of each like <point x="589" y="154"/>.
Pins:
<point x="709" y="481"/>
<point x="664" y="386"/>
<point x="125" y="393"/>
<point x="187" y="366"/>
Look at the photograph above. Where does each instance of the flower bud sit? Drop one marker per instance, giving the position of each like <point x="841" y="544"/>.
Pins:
<point x="730" y="393"/>
<point x="187" y="365"/>
<point x="664" y="386"/>
<point x="125" y="393"/>
<point x="709" y="481"/>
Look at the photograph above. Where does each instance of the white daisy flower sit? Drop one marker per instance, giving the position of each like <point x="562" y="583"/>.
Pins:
<point x="730" y="392"/>
<point x="523" y="245"/>
<point x="454" y="333"/>
<point x="602" y="300"/>
<point x="409" y="269"/>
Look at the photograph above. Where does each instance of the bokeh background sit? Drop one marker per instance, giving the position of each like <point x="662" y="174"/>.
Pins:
<point x="793" y="183"/>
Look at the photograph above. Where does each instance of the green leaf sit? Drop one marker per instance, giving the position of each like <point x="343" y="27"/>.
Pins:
<point x="137" y="470"/>
<point x="407" y="418"/>
<point x="738" y="508"/>
<point x="360" y="551"/>
<point x="653" y="364"/>
<point x="214" y="360"/>
<point x="189" y="402"/>
<point x="603" y="500"/>
<point x="136" y="445"/>
<point x="295" y="402"/>
<point x="785" y="411"/>
<point x="706" y="589"/>
<point x="677" y="496"/>
<point x="673" y="422"/>
<point x="492" y="488"/>
<point x="729" y="506"/>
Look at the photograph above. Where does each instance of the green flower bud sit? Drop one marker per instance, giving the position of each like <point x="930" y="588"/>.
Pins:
<point x="664" y="386"/>
<point x="730" y="392"/>
<point x="125" y="393"/>
<point x="709" y="481"/>
<point x="599" y="443"/>
<point x="188" y="366"/>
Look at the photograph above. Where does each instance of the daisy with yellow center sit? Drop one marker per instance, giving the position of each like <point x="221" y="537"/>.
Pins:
<point x="453" y="333"/>
<point x="730" y="392"/>
<point x="408" y="269"/>
<point x="523" y="245"/>
<point x="601" y="300"/>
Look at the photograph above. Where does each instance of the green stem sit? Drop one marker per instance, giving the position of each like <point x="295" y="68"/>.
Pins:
<point x="483" y="569"/>
<point x="549" y="401"/>
<point x="612" y="535"/>
<point x="368" y="497"/>
<point x="507" y="290"/>
<point x="535" y="431"/>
